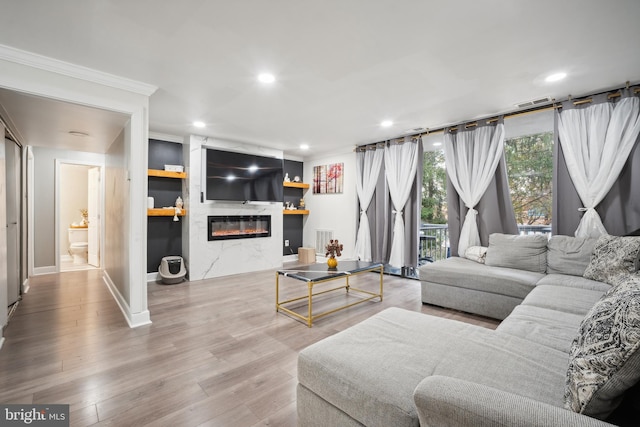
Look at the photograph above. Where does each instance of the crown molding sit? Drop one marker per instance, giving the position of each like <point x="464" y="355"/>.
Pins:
<point x="45" y="63"/>
<point x="166" y="137"/>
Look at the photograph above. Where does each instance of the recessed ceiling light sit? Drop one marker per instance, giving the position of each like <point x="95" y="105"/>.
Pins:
<point x="199" y="124"/>
<point x="304" y="146"/>
<point x="230" y="177"/>
<point x="555" y="77"/>
<point x="266" y="78"/>
<point x="253" y="168"/>
<point x="437" y="144"/>
<point x="78" y="133"/>
<point x="386" y="123"/>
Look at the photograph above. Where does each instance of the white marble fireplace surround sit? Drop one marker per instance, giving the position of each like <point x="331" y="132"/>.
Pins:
<point x="207" y="259"/>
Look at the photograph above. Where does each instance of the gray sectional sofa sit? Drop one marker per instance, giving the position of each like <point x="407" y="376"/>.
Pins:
<point x="403" y="368"/>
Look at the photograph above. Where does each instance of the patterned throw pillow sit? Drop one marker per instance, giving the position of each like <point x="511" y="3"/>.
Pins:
<point x="612" y="256"/>
<point x="604" y="360"/>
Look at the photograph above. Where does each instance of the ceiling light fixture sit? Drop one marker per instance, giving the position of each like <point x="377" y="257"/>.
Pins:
<point x="304" y="146"/>
<point x="253" y="168"/>
<point x="78" y="133"/>
<point x="386" y="123"/>
<point x="266" y="78"/>
<point x="199" y="124"/>
<point x="437" y="144"/>
<point x="555" y="77"/>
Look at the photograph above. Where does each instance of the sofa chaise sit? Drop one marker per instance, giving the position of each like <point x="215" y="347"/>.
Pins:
<point x="564" y="355"/>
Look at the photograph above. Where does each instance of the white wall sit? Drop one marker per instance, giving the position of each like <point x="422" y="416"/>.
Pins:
<point x="116" y="221"/>
<point x="74" y="187"/>
<point x="337" y="212"/>
<point x="206" y="259"/>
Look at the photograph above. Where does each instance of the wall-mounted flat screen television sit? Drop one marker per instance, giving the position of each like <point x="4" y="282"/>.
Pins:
<point x="243" y="177"/>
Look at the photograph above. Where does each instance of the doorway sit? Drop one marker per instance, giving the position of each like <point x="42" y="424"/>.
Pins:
<point x="78" y="215"/>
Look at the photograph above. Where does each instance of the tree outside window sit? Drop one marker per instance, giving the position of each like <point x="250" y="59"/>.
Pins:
<point x="530" y="170"/>
<point x="434" y="189"/>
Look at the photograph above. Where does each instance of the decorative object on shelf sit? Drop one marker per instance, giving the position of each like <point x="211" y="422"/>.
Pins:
<point x="296" y="179"/>
<point x="85" y="217"/>
<point x="150" y="202"/>
<point x="174" y="168"/>
<point x="301" y="203"/>
<point x="328" y="179"/>
<point x="289" y="206"/>
<point x="286" y="177"/>
<point x="178" y="210"/>
<point x="334" y="249"/>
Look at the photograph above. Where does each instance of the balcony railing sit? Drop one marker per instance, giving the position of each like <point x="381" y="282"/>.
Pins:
<point x="434" y="240"/>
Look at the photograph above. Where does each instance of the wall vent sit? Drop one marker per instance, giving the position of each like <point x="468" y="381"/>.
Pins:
<point x="534" y="102"/>
<point x="322" y="239"/>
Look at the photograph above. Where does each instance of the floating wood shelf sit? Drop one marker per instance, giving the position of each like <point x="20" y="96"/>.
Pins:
<point x="166" y="174"/>
<point x="295" y="212"/>
<point x="164" y="212"/>
<point x="296" y="184"/>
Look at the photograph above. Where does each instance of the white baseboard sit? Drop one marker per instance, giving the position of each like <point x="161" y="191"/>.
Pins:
<point x="37" y="271"/>
<point x="66" y="258"/>
<point x="1" y="342"/>
<point x="25" y="286"/>
<point x="133" y="319"/>
<point x="290" y="258"/>
<point x="153" y="277"/>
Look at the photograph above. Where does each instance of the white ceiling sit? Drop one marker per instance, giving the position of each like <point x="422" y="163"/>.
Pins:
<point x="342" y="66"/>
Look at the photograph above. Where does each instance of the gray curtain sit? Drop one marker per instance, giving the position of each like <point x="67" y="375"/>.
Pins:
<point x="381" y="217"/>
<point x="495" y="211"/>
<point x="378" y="213"/>
<point x="619" y="210"/>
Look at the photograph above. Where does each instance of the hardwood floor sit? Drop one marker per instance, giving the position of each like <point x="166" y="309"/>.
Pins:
<point x="216" y="354"/>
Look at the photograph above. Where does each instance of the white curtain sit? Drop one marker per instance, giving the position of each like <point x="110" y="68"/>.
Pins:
<point x="401" y="163"/>
<point x="471" y="159"/>
<point x="368" y="164"/>
<point x="596" y="142"/>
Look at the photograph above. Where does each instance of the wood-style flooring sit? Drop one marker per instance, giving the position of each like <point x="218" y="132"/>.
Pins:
<point x="216" y="354"/>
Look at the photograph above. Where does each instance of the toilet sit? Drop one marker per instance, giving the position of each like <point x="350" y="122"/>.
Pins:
<point x="78" y="246"/>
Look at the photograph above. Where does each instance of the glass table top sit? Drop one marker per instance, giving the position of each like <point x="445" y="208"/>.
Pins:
<point x="320" y="271"/>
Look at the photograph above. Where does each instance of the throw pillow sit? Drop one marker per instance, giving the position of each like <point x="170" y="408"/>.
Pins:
<point x="604" y="360"/>
<point x="569" y="255"/>
<point x="612" y="256"/>
<point x="476" y="253"/>
<point x="528" y="252"/>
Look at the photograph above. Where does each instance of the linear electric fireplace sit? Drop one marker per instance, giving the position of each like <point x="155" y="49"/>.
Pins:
<point x="224" y="227"/>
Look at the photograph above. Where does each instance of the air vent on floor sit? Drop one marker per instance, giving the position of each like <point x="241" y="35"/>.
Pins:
<point x="534" y="102"/>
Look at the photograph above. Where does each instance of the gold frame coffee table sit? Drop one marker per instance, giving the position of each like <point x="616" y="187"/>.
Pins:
<point x="319" y="273"/>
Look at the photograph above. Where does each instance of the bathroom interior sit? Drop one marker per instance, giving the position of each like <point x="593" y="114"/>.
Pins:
<point x="78" y="207"/>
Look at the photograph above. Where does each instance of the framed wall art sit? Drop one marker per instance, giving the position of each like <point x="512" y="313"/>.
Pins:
<point x="328" y="179"/>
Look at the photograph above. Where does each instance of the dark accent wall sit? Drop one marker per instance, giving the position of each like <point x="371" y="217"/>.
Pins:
<point x="164" y="236"/>
<point x="292" y="224"/>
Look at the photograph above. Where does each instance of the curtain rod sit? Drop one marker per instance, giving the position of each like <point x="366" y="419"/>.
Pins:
<point x="616" y="93"/>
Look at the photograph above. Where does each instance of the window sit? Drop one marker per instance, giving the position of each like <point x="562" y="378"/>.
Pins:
<point x="434" y="189"/>
<point x="528" y="153"/>
<point x="433" y="213"/>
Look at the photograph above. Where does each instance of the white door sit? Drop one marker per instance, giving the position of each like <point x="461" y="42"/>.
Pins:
<point x="12" y="164"/>
<point x="94" y="217"/>
<point x="3" y="234"/>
